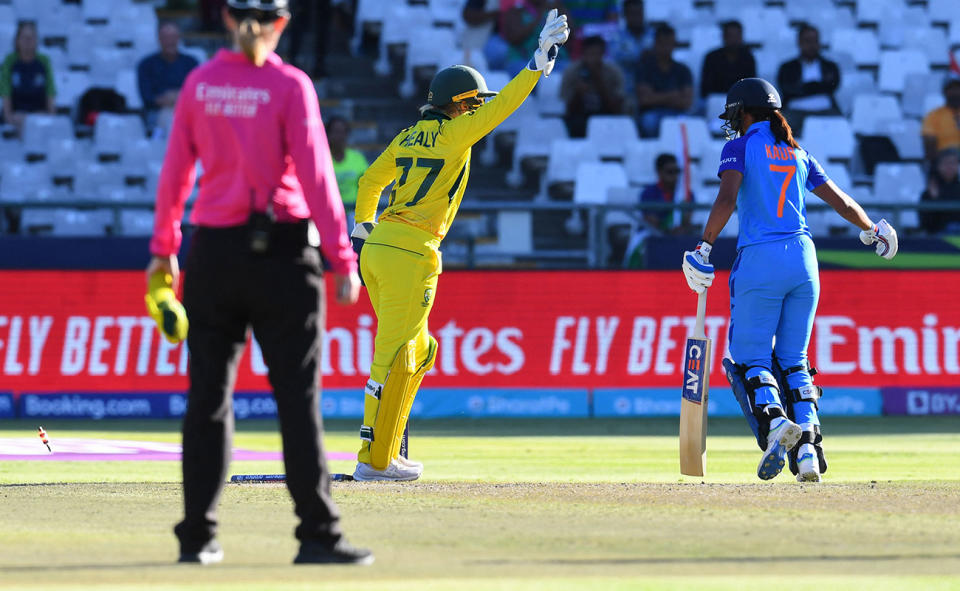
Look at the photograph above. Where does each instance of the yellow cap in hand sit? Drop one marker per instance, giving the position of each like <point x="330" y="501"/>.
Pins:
<point x="165" y="309"/>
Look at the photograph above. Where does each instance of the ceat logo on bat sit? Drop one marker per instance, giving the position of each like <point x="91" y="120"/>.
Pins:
<point x="693" y="370"/>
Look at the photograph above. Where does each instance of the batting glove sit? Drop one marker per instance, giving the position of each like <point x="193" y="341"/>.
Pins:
<point x="165" y="309"/>
<point x="555" y="33"/>
<point x="884" y="236"/>
<point x="697" y="268"/>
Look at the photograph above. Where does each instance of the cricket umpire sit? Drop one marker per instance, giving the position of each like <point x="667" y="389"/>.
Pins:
<point x="268" y="190"/>
<point x="429" y="164"/>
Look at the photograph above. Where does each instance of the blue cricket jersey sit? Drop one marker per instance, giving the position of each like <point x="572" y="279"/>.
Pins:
<point x="770" y="204"/>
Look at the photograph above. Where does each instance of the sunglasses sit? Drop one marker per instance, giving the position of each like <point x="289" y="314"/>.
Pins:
<point x="264" y="17"/>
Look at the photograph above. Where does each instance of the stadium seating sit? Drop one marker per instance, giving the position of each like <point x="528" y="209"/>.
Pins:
<point x="893" y="55"/>
<point x="828" y="138"/>
<point x="870" y="109"/>
<point x="533" y="140"/>
<point x="434" y="47"/>
<point x="916" y="87"/>
<point x="895" y="65"/>
<point x="612" y="134"/>
<point x="900" y="184"/>
<point x="672" y="130"/>
<point x="862" y="44"/>
<point x="640" y="161"/>
<point x="548" y="93"/>
<point x="112" y="133"/>
<point x="39" y="130"/>
<point x="67" y="222"/>
<point x="905" y="135"/>
<point x="594" y="179"/>
<point x="564" y="155"/>
<point x="21" y="182"/>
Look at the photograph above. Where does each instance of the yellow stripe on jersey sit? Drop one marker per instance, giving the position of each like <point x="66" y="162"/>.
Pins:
<point x="429" y="163"/>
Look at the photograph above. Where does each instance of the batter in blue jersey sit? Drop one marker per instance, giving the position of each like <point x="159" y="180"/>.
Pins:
<point x="775" y="283"/>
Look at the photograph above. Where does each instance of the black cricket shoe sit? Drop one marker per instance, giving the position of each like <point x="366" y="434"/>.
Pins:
<point x="342" y="552"/>
<point x="210" y="553"/>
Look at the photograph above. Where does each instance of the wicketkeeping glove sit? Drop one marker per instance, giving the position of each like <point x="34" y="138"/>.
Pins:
<point x="697" y="268"/>
<point x="358" y="237"/>
<point x="555" y="33"/>
<point x="884" y="236"/>
<point x="165" y="309"/>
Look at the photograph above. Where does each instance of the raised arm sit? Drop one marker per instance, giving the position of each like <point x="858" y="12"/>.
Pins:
<point x="469" y="128"/>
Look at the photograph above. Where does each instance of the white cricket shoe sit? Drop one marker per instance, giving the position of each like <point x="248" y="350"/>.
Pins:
<point x="808" y="465"/>
<point x="395" y="472"/>
<point x="784" y="434"/>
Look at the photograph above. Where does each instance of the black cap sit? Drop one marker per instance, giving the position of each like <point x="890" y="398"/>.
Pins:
<point x="457" y="83"/>
<point x="277" y="7"/>
<point x="750" y="92"/>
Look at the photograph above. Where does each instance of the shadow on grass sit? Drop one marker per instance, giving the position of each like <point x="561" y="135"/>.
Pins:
<point x="724" y="559"/>
<point x="132" y="565"/>
<point x="495" y="427"/>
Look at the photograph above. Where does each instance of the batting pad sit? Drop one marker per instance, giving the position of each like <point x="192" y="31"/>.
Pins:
<point x="396" y="400"/>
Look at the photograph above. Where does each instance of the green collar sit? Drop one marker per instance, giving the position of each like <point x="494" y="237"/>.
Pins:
<point x="435" y="115"/>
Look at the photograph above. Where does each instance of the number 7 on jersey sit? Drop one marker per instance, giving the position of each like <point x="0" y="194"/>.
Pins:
<point x="693" y="403"/>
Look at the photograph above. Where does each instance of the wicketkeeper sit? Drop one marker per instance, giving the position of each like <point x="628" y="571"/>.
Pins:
<point x="429" y="164"/>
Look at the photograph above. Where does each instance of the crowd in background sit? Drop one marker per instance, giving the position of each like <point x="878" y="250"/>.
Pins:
<point x="616" y="63"/>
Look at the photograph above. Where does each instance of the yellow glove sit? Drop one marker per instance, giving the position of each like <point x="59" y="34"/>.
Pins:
<point x="165" y="309"/>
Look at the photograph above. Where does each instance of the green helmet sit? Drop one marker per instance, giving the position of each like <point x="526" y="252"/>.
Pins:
<point x="457" y="83"/>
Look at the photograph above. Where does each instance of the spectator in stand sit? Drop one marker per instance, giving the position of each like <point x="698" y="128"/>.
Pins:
<point x="520" y="22"/>
<point x="943" y="186"/>
<point x="633" y="39"/>
<point x="664" y="85"/>
<point x="725" y="66"/>
<point x="941" y="126"/>
<point x="591" y="86"/>
<point x="348" y="164"/>
<point x="210" y="14"/>
<point x="26" y="78"/>
<point x="160" y="76"/>
<point x="808" y="83"/>
<point x="661" y="221"/>
<point x="480" y="34"/>
<point x="313" y="16"/>
<point x="586" y="12"/>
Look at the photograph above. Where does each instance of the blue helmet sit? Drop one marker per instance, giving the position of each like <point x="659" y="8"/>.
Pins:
<point x="755" y="93"/>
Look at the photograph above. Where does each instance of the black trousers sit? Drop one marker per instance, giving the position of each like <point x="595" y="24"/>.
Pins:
<point x="279" y="294"/>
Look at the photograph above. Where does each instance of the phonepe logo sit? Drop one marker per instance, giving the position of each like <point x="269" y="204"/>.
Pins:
<point x="693" y="369"/>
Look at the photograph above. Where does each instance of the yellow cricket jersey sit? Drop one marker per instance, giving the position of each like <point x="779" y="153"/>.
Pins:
<point x="429" y="162"/>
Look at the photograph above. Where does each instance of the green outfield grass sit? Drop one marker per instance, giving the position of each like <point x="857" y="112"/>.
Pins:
<point x="519" y="505"/>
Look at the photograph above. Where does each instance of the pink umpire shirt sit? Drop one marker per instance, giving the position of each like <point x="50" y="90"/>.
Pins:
<point x="259" y="136"/>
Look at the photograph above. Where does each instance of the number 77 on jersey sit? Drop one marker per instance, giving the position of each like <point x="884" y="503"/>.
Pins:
<point x="695" y="390"/>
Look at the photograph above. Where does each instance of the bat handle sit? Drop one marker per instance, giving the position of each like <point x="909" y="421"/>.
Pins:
<point x="698" y="330"/>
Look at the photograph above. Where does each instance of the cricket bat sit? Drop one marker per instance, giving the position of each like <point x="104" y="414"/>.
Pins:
<point x="693" y="404"/>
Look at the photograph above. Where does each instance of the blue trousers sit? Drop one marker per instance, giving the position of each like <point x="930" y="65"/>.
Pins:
<point x="774" y="290"/>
